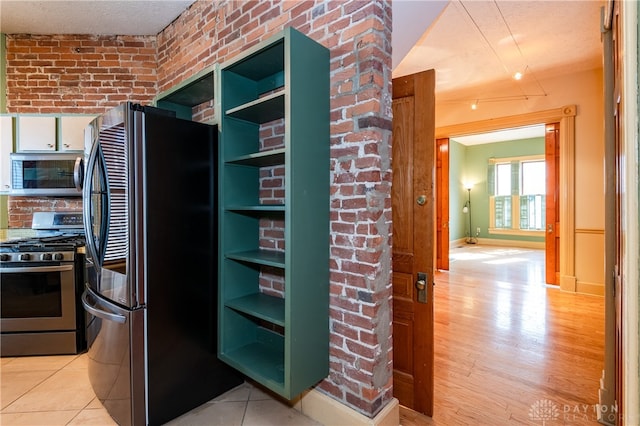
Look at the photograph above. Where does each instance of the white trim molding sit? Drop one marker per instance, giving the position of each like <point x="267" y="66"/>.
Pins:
<point x="330" y="412"/>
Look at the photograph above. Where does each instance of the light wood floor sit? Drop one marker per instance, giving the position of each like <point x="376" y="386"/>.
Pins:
<point x="510" y="349"/>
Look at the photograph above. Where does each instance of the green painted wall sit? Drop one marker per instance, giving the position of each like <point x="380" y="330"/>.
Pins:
<point x="457" y="222"/>
<point x="4" y="213"/>
<point x="471" y="163"/>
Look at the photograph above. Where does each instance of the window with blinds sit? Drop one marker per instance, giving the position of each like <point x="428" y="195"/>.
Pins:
<point x="517" y="193"/>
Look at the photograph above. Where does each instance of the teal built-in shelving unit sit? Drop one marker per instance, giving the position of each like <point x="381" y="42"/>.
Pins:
<point x="281" y="342"/>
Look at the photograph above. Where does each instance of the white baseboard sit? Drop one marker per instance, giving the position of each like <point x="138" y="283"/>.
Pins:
<point x="498" y="242"/>
<point x="596" y="289"/>
<point x="568" y="283"/>
<point x="330" y="412"/>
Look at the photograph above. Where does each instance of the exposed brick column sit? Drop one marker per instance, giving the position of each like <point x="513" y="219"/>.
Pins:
<point x="361" y="310"/>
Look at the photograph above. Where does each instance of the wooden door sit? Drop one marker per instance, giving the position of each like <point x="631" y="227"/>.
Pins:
<point x="442" y="203"/>
<point x="611" y="384"/>
<point x="552" y="238"/>
<point x="413" y="204"/>
<point x="620" y="161"/>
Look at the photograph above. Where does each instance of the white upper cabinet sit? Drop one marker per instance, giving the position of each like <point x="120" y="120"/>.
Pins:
<point x="36" y="133"/>
<point x="6" y="148"/>
<point x="51" y="133"/>
<point x="72" y="131"/>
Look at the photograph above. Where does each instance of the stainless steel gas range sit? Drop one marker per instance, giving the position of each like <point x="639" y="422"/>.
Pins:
<point x="41" y="279"/>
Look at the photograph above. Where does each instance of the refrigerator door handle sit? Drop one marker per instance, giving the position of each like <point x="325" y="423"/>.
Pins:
<point x="86" y="203"/>
<point x="110" y="316"/>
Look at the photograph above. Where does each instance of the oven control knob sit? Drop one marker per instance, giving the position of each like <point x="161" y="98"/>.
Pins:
<point x="58" y="256"/>
<point x="5" y="257"/>
<point x="25" y="256"/>
<point x="45" y="256"/>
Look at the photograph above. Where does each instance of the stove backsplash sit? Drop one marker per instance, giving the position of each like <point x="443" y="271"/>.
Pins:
<point x="21" y="209"/>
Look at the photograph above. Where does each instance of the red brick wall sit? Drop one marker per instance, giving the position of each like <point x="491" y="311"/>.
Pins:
<point x="21" y="209"/>
<point x="74" y="74"/>
<point x="358" y="33"/>
<point x="78" y="73"/>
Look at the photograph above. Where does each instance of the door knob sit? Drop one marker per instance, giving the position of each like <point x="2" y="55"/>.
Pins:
<point x="421" y="200"/>
<point x="421" y="286"/>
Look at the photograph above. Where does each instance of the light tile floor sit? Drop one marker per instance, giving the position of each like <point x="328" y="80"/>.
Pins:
<point x="55" y="390"/>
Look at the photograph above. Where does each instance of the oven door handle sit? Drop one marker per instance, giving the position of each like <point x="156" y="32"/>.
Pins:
<point x="110" y="316"/>
<point x="20" y="269"/>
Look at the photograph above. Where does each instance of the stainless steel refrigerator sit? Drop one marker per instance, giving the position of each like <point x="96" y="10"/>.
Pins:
<point x="150" y="220"/>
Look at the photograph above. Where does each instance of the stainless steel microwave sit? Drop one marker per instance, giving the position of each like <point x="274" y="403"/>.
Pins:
<point x="38" y="174"/>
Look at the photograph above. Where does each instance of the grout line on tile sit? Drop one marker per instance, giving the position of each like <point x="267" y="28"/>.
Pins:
<point x="35" y="385"/>
<point x="244" y="412"/>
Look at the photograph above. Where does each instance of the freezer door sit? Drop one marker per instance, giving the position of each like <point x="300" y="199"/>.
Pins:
<point x="116" y="358"/>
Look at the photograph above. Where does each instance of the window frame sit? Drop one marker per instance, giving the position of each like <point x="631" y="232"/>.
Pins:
<point x="515" y="199"/>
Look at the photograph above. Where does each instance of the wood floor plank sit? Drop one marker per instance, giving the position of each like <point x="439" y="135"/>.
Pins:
<point x="505" y="342"/>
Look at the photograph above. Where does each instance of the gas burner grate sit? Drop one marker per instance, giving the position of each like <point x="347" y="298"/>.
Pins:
<point x="63" y="242"/>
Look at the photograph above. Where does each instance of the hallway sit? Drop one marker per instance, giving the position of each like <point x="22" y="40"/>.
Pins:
<point x="510" y="349"/>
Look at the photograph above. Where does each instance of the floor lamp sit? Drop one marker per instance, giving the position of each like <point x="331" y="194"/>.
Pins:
<point x="467" y="209"/>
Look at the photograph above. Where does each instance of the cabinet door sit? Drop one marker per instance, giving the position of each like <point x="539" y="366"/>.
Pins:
<point x="72" y="131"/>
<point x="6" y="148"/>
<point x="36" y="133"/>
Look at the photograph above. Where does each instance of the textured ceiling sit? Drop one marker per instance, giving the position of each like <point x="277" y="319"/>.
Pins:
<point x="106" y="17"/>
<point x="475" y="43"/>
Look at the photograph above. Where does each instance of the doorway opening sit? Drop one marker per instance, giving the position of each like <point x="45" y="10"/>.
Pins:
<point x="560" y="123"/>
<point x="497" y="191"/>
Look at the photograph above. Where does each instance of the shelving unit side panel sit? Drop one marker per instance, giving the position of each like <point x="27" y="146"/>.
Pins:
<point x="236" y="331"/>
<point x="238" y="138"/>
<point x="261" y="360"/>
<point x="236" y="90"/>
<point x="235" y="279"/>
<point x="307" y="219"/>
<point x="241" y="232"/>
<point x="261" y="62"/>
<point x="240" y="185"/>
<point x="241" y="279"/>
<point x="273" y="81"/>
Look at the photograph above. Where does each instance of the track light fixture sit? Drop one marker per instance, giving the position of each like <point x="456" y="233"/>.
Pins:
<point x="522" y="66"/>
